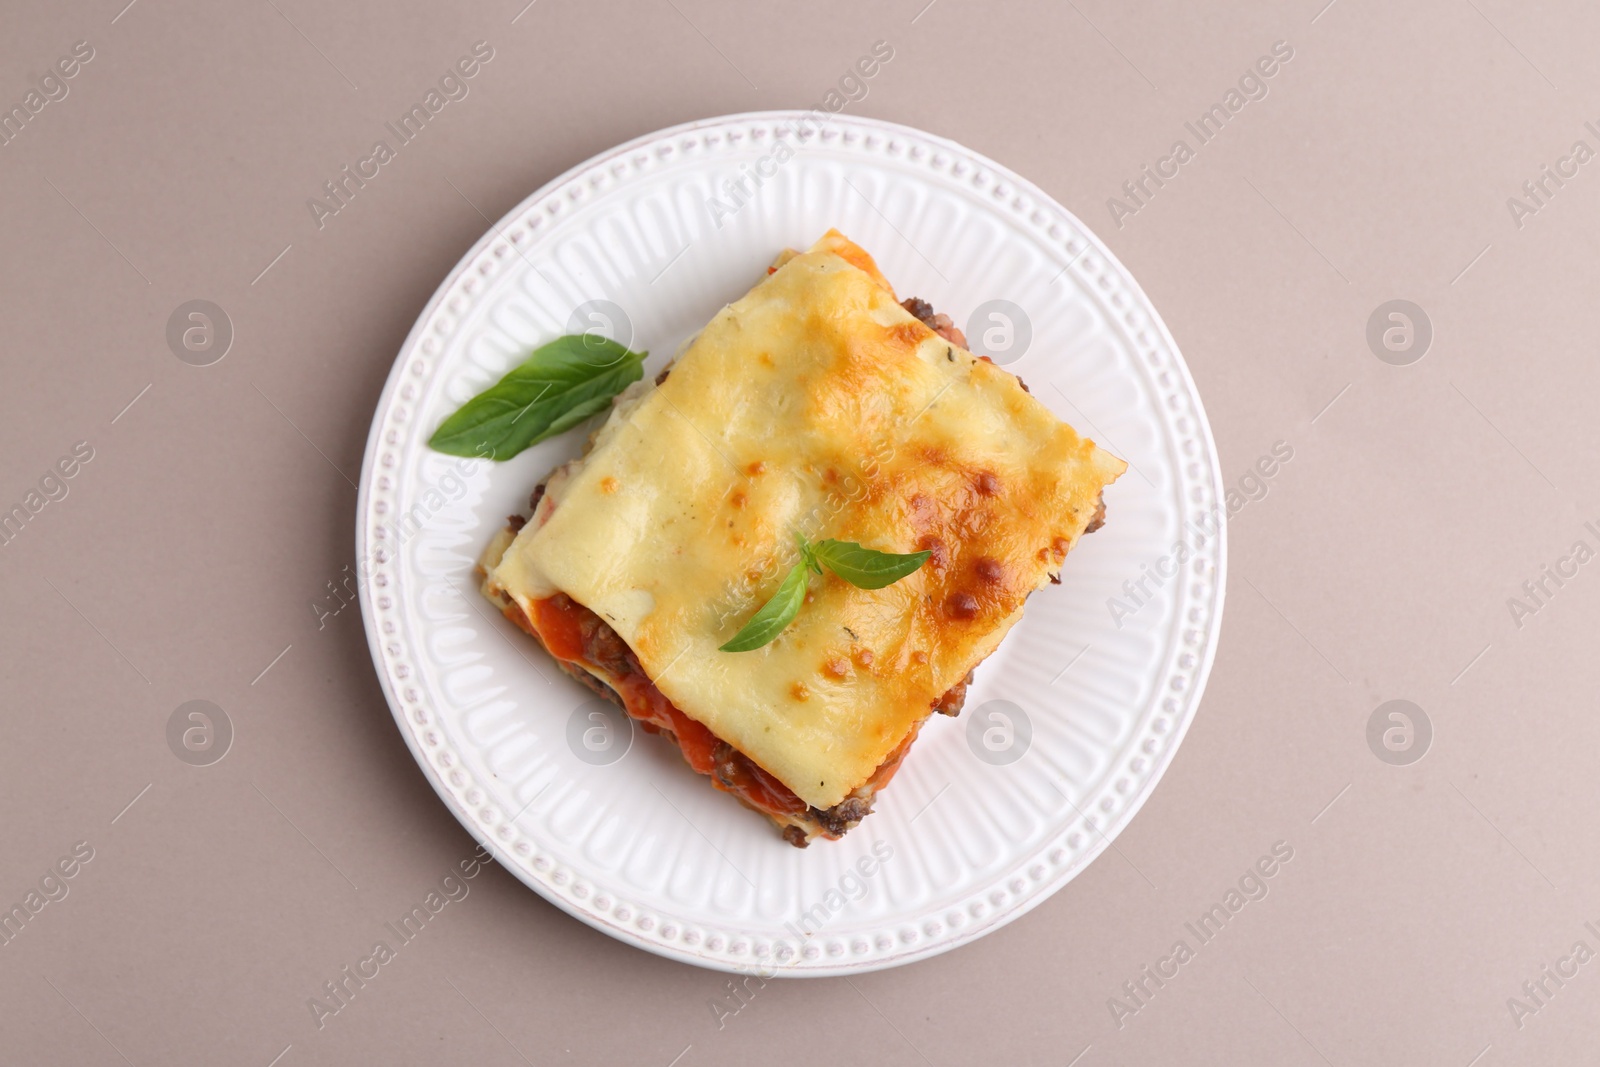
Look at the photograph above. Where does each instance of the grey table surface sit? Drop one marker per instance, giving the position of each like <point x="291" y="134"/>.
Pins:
<point x="1428" y="542"/>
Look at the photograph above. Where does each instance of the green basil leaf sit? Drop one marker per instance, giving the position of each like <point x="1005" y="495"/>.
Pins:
<point x="774" y="615"/>
<point x="558" y="386"/>
<point x="867" y="568"/>
<point x="580" y="411"/>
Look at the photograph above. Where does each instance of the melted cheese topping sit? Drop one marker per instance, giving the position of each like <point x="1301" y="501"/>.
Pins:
<point x="815" y="404"/>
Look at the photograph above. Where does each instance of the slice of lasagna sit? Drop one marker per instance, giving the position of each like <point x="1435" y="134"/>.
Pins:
<point x="816" y="405"/>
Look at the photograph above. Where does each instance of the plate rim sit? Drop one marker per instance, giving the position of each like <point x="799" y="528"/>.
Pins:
<point x="605" y="923"/>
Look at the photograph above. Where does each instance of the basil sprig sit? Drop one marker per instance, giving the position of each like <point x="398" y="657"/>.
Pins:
<point x="558" y="386"/>
<point x="864" y="568"/>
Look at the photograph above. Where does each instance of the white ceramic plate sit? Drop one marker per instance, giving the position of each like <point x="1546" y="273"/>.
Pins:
<point x="1070" y="723"/>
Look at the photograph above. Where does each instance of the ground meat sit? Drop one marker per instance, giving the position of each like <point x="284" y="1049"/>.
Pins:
<point x="923" y="312"/>
<point x="842" y="816"/>
<point x="725" y="765"/>
<point x="538" y="495"/>
<point x="951" y="703"/>
<point x="605" y="648"/>
<point x="591" y="682"/>
<point x="516" y="522"/>
<point x="739" y="773"/>
<point x="1099" y="518"/>
<point x="920" y="309"/>
<point x="795" y="836"/>
<point x="663" y="375"/>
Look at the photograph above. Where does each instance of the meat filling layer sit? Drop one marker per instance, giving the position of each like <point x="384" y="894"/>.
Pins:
<point x="588" y="648"/>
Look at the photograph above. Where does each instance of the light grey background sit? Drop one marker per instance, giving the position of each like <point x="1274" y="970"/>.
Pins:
<point x="186" y="555"/>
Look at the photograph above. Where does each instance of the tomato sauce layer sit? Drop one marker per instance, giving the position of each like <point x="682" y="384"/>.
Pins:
<point x="566" y="629"/>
